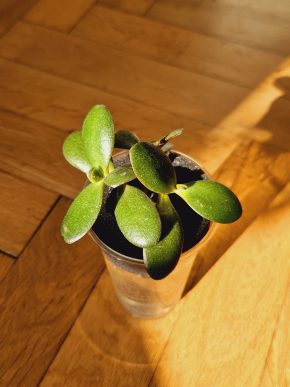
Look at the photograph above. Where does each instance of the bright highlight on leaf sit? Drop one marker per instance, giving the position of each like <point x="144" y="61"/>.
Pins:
<point x="161" y="259"/>
<point x="82" y="213"/>
<point x="138" y="218"/>
<point x="212" y="200"/>
<point x="74" y="152"/>
<point x="120" y="176"/>
<point x="152" y="167"/>
<point x="125" y="139"/>
<point x="98" y="136"/>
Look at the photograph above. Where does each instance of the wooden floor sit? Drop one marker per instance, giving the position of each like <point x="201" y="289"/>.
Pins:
<point x="219" y="69"/>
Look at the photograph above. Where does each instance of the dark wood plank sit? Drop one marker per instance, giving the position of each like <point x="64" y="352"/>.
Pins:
<point x="61" y="15"/>
<point x="33" y="151"/>
<point x="11" y="11"/>
<point x="191" y="51"/>
<point x="41" y="297"/>
<point x="228" y="20"/>
<point x="160" y="86"/>
<point x="5" y="265"/>
<point x="23" y="206"/>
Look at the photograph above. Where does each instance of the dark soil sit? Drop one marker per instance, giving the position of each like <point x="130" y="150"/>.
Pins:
<point x="195" y="227"/>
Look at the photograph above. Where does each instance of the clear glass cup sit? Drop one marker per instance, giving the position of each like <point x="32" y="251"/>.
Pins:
<point x="137" y="292"/>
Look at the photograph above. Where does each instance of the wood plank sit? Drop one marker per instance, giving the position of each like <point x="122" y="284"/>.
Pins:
<point x="107" y="346"/>
<point x="33" y="151"/>
<point x="256" y="173"/>
<point x="23" y="206"/>
<point x="11" y="11"/>
<point x="232" y="23"/>
<point x="84" y="356"/>
<point x="139" y="7"/>
<point x="61" y="15"/>
<point x="160" y="86"/>
<point x="5" y="265"/>
<point x="40" y="298"/>
<point x="233" y="310"/>
<point x="276" y="372"/>
<point x="191" y="51"/>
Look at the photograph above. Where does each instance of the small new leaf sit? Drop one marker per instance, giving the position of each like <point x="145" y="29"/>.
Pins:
<point x="74" y="152"/>
<point x="125" y="139"/>
<point x="161" y="259"/>
<point x="212" y="200"/>
<point x="98" y="136"/>
<point x="82" y="213"/>
<point x="168" y="136"/>
<point x="138" y="218"/>
<point x="152" y="167"/>
<point x="120" y="176"/>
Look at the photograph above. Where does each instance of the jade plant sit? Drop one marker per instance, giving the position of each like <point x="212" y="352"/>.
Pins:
<point x="144" y="214"/>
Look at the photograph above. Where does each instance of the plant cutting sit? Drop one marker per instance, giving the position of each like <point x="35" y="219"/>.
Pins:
<point x="148" y="208"/>
<point x="144" y="211"/>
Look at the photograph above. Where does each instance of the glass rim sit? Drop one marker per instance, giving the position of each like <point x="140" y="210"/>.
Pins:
<point x="138" y="261"/>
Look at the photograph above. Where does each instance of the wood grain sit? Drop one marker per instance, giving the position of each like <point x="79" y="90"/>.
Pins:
<point x="159" y="85"/>
<point x="33" y="151"/>
<point x="233" y="311"/>
<point x="11" y="11"/>
<point x="40" y="298"/>
<point x="256" y="173"/>
<point x="5" y="265"/>
<point x="228" y="21"/>
<point x="191" y="51"/>
<point x="139" y="7"/>
<point x="61" y="15"/>
<point x="23" y="206"/>
<point x="107" y="346"/>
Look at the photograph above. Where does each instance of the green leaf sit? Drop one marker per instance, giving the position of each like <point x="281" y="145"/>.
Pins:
<point x="83" y="212"/>
<point x="125" y="139"/>
<point x="138" y="218"/>
<point x="212" y="200"/>
<point x="74" y="152"/>
<point x="152" y="167"/>
<point x="98" y="136"/>
<point x="174" y="133"/>
<point x="161" y="259"/>
<point x="120" y="176"/>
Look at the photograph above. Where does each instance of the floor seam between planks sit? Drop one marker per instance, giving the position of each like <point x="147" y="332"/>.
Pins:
<point x="80" y="19"/>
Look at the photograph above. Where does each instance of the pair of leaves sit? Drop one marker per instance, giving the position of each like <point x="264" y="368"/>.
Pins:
<point x="141" y="223"/>
<point x="90" y="151"/>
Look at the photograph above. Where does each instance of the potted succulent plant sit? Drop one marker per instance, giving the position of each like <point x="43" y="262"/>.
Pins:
<point x="145" y="207"/>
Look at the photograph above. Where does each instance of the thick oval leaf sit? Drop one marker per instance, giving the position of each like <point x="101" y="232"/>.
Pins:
<point x="212" y="200"/>
<point x="74" y="152"/>
<point x="82" y="213"/>
<point x="120" y="176"/>
<point x="98" y="136"/>
<point x="125" y="139"/>
<point x="152" y="167"/>
<point x="138" y="218"/>
<point x="161" y="259"/>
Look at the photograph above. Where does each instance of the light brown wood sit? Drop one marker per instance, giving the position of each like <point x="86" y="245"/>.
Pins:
<point x="5" y="265"/>
<point x="232" y="23"/>
<point x="225" y="328"/>
<point x="40" y="298"/>
<point x="61" y="15"/>
<point x="40" y="160"/>
<point x="191" y="51"/>
<point x="277" y="366"/>
<point x="256" y="173"/>
<point x="162" y="86"/>
<point x="11" y="11"/>
<point x="139" y="7"/>
<point x="107" y="346"/>
<point x="23" y="206"/>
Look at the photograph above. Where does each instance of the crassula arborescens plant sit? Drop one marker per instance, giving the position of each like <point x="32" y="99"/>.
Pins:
<point x="146" y="217"/>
